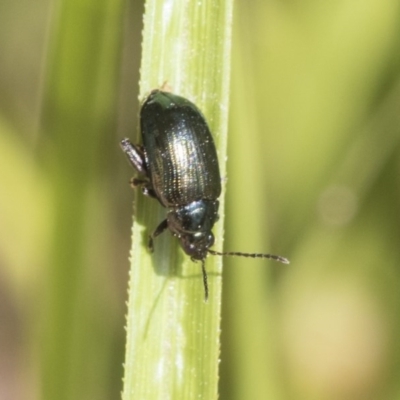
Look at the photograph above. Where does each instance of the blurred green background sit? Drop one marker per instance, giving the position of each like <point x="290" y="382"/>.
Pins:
<point x="313" y="175"/>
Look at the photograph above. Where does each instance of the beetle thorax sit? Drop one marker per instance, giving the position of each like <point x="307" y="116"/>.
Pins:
<point x="192" y="224"/>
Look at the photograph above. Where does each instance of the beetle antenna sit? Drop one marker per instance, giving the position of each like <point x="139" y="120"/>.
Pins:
<point x="252" y="255"/>
<point x="205" y="281"/>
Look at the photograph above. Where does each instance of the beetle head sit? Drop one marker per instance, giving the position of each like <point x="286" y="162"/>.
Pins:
<point x="192" y="224"/>
<point x="196" y="245"/>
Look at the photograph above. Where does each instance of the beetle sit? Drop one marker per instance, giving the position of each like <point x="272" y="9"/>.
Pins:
<point x="178" y="165"/>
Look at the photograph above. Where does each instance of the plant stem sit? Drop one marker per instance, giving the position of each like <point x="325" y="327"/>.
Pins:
<point x="173" y="335"/>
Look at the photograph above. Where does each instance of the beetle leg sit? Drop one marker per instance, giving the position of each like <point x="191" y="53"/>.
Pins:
<point x="148" y="191"/>
<point x="146" y="187"/>
<point x="159" y="230"/>
<point x="135" y="182"/>
<point x="135" y="155"/>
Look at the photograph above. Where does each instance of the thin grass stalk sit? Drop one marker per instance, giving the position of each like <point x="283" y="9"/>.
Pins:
<point x="173" y="345"/>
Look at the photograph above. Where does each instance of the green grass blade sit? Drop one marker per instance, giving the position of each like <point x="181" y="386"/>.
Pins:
<point x="77" y="118"/>
<point x="173" y="335"/>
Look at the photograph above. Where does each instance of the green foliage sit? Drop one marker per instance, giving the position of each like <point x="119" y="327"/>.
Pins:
<point x="312" y="174"/>
<point x="173" y="335"/>
<point x="314" y="141"/>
